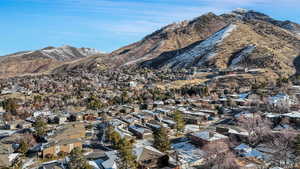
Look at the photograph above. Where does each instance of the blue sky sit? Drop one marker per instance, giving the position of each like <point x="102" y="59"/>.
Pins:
<point x="109" y="24"/>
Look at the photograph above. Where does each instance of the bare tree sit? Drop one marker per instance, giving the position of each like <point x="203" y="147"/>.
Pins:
<point x="257" y="127"/>
<point x="219" y="156"/>
<point x="283" y="146"/>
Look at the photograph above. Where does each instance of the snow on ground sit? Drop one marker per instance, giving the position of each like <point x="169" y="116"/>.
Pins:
<point x="28" y="163"/>
<point x="191" y="128"/>
<point x="13" y="156"/>
<point x="111" y="162"/>
<point x="66" y="52"/>
<point x="142" y="143"/>
<point x="187" y="152"/>
<point x="93" y="164"/>
<point x="242" y="55"/>
<point x="204" y="49"/>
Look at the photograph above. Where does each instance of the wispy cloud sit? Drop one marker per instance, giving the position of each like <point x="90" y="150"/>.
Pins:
<point x="144" y="16"/>
<point x="131" y="16"/>
<point x="113" y="23"/>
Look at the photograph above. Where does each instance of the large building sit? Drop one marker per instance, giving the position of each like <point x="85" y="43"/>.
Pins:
<point x="64" y="140"/>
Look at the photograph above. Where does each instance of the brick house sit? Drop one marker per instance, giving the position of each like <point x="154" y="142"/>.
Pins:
<point x="140" y="132"/>
<point x="149" y="157"/>
<point x="65" y="140"/>
<point x="65" y="146"/>
<point x="205" y="137"/>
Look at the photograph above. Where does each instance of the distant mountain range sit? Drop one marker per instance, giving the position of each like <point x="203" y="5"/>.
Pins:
<point x="241" y="38"/>
<point x="40" y="61"/>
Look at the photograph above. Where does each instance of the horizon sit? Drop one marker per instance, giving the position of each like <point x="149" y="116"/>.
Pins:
<point x="107" y="25"/>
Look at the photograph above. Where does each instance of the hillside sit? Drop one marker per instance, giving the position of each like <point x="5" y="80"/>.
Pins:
<point x="241" y="38"/>
<point x="40" y="61"/>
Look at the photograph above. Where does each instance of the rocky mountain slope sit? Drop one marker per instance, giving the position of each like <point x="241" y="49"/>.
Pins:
<point x="240" y="44"/>
<point x="40" y="61"/>
<point x="169" y="38"/>
<point x="241" y="38"/>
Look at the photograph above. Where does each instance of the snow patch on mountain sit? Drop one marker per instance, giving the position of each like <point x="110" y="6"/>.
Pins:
<point x="203" y="49"/>
<point x="67" y="52"/>
<point x="242" y="55"/>
<point x="64" y="53"/>
<point x="19" y="54"/>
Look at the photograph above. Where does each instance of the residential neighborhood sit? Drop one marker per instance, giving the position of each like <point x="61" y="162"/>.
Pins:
<point x="45" y="123"/>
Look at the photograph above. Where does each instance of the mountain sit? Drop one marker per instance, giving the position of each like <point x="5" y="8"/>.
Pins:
<point x="241" y="38"/>
<point x="257" y="45"/>
<point x="169" y="38"/>
<point x="40" y="61"/>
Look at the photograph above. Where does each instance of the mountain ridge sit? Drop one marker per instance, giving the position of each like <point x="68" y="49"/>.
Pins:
<point x="42" y="60"/>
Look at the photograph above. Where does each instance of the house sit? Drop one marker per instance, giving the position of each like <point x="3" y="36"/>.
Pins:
<point x="275" y="118"/>
<point x="204" y="137"/>
<point x="123" y="133"/>
<point x="161" y="111"/>
<point x="130" y="120"/>
<point x="62" y="146"/>
<point x="186" y="155"/>
<point x="42" y="113"/>
<point x="76" y="117"/>
<point x="12" y="125"/>
<point x="7" y="157"/>
<point x="153" y="125"/>
<point x="64" y="140"/>
<point x="117" y="123"/>
<point x="2" y="110"/>
<point x="246" y="151"/>
<point x="191" y="128"/>
<point x="232" y="131"/>
<point x="17" y="124"/>
<point x="132" y="84"/>
<point x="151" y="158"/>
<point x="52" y="165"/>
<point x="169" y="122"/>
<point x="24" y="125"/>
<point x="158" y="103"/>
<point x="111" y="160"/>
<point x="60" y="119"/>
<point x="280" y="99"/>
<point x="145" y="117"/>
<point x="293" y="117"/>
<point x="89" y="117"/>
<point x="194" y="117"/>
<point x="140" y="132"/>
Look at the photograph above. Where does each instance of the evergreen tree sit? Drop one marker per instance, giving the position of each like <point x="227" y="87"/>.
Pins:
<point x="94" y="103"/>
<point x="109" y="131"/>
<point x="113" y="136"/>
<point x="40" y="127"/>
<point x="161" y="140"/>
<point x="127" y="159"/>
<point x="178" y="118"/>
<point x="10" y="106"/>
<point x="23" y="148"/>
<point x="115" y="139"/>
<point x="297" y="144"/>
<point x="77" y="161"/>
